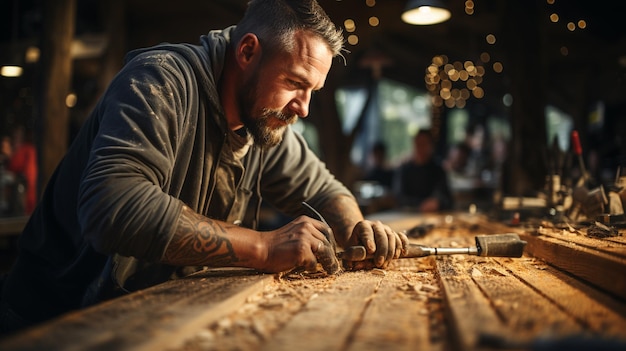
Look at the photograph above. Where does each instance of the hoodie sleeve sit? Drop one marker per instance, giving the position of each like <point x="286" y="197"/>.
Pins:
<point x="122" y="205"/>
<point x="293" y="173"/>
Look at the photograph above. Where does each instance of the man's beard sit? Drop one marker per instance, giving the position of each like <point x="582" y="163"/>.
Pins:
<point x="260" y="129"/>
<point x="259" y="126"/>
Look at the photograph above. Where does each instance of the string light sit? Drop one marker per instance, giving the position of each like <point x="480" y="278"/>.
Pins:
<point x="469" y="7"/>
<point x="349" y="25"/>
<point x="452" y="84"/>
<point x="554" y="17"/>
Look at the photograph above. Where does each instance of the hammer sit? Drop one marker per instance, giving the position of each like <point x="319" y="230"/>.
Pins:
<point x="495" y="245"/>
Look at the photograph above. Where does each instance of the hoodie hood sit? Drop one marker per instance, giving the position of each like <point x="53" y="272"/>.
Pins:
<point x="206" y="59"/>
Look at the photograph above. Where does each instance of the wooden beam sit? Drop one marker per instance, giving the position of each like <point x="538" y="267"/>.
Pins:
<point x="57" y="36"/>
<point x="12" y="225"/>
<point x="596" y="267"/>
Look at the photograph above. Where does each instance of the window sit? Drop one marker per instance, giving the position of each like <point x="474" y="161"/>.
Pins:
<point x="396" y="112"/>
<point x="559" y="125"/>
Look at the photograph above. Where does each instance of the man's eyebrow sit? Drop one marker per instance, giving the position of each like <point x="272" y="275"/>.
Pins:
<point x="302" y="79"/>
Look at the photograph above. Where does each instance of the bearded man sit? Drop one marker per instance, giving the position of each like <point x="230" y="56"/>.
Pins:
<point x="169" y="171"/>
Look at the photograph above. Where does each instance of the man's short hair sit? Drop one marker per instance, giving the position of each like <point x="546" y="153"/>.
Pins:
<point x="275" y="21"/>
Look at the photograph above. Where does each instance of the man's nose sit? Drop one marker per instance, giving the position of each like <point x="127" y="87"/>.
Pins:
<point x="300" y="104"/>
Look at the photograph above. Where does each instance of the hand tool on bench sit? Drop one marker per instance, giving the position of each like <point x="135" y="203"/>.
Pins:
<point x="493" y="245"/>
<point x="578" y="150"/>
<point x="315" y="214"/>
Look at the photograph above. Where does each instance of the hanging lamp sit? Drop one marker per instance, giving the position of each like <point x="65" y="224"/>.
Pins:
<point x="425" y="12"/>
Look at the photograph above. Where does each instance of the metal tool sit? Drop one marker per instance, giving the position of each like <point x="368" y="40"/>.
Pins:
<point x="495" y="245"/>
<point x="315" y="214"/>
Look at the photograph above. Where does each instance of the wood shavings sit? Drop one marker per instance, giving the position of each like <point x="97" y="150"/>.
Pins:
<point x="378" y="271"/>
<point x="429" y="288"/>
<point x="476" y="273"/>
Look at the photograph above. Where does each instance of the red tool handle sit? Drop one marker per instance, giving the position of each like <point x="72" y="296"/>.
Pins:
<point x="578" y="150"/>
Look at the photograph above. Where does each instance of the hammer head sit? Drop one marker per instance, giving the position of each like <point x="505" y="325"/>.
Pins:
<point x="500" y="245"/>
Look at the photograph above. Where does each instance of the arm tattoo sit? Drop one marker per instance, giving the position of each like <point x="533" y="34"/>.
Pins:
<point x="199" y="241"/>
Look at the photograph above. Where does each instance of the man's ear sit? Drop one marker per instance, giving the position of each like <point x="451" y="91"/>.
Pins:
<point x="248" y="50"/>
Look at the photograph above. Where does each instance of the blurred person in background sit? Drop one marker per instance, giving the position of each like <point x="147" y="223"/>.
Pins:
<point x="21" y="160"/>
<point x="379" y="171"/>
<point x="374" y="189"/>
<point x="421" y="183"/>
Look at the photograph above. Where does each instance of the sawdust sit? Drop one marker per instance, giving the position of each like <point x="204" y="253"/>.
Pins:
<point x="266" y="313"/>
<point x="261" y="315"/>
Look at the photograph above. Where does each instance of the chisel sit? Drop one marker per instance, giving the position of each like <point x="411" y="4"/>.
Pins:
<point x="494" y="245"/>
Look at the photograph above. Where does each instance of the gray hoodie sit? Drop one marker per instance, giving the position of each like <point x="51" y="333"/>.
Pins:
<point x="156" y="140"/>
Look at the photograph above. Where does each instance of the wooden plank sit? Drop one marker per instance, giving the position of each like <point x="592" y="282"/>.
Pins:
<point x="12" y="225"/>
<point x="394" y="316"/>
<point x="606" y="245"/>
<point x="621" y="239"/>
<point x="157" y="318"/>
<point x="615" y="246"/>
<point x="597" y="261"/>
<point x="397" y="317"/>
<point x="524" y="311"/>
<point x="597" y="312"/>
<point x="470" y="313"/>
<point x="601" y="269"/>
<point x="328" y="321"/>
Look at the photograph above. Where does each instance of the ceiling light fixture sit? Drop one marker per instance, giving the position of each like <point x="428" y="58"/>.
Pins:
<point x="11" y="65"/>
<point x="11" y="71"/>
<point x="425" y="12"/>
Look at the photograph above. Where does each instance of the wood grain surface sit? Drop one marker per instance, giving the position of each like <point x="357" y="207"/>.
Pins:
<point x="566" y="290"/>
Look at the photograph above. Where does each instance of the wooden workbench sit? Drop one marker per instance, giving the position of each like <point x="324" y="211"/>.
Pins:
<point x="568" y="289"/>
<point x="12" y="226"/>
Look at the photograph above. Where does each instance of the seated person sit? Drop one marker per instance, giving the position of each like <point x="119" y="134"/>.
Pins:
<point x="374" y="189"/>
<point x="456" y="167"/>
<point x="421" y="182"/>
<point x="379" y="171"/>
<point x="23" y="163"/>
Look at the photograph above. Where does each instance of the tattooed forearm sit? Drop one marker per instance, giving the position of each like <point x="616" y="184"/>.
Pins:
<point x="199" y="241"/>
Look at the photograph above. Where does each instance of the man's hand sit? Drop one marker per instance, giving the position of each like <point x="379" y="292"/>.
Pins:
<point x="380" y="241"/>
<point x="300" y="244"/>
<point x="350" y="228"/>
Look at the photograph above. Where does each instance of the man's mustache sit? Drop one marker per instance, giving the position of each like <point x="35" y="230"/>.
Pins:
<point x="289" y="119"/>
